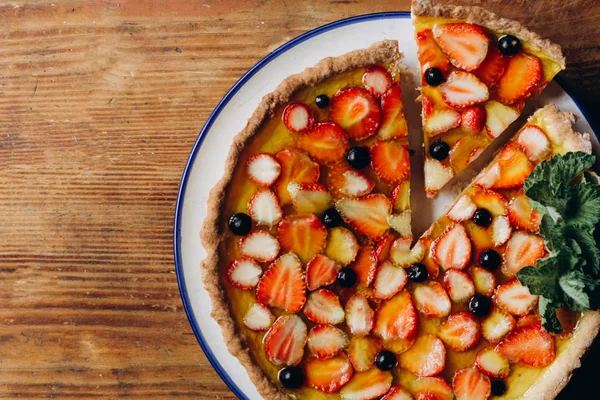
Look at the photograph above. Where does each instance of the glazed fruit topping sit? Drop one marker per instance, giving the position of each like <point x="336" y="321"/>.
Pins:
<point x="240" y="224"/>
<point x="440" y="120"/>
<point x="431" y="389"/>
<point x="490" y="259"/>
<point x="434" y="76"/>
<point x="357" y="111"/>
<point x="389" y="281"/>
<point x="362" y="352"/>
<point x="342" y="246"/>
<point x="499" y="117"/>
<point x="291" y="377"/>
<point x="346" y="182"/>
<point x="325" y="341"/>
<point x="496" y="325"/>
<point x="295" y="167"/>
<point x="436" y="175"/>
<point x="439" y="150"/>
<point x="397" y="393"/>
<point x="331" y="218"/>
<point x="385" y="360"/>
<point x="522" y="249"/>
<point x="367" y="215"/>
<point x="263" y="169"/>
<point x="264" y="208"/>
<point x="323" y="307"/>
<point x="282" y="284"/>
<point x="470" y="384"/>
<point x="459" y="285"/>
<point x="359" y="315"/>
<point x="298" y="118"/>
<point x="529" y="345"/>
<point x="322" y="101"/>
<point x="460" y="331"/>
<point x="302" y="234"/>
<point x="259" y="245"/>
<point x="310" y="198"/>
<point x="465" y="44"/>
<point x="492" y="68"/>
<point x="393" y="123"/>
<point x="377" y="80"/>
<point x="523" y="74"/>
<point x="244" y="273"/>
<point x="501" y="230"/>
<point x="472" y="119"/>
<point x="509" y="45"/>
<point x="484" y="280"/>
<point x="534" y="143"/>
<point x="417" y="272"/>
<point x="327" y="143"/>
<point x="321" y="271"/>
<point x="432" y="300"/>
<point x="370" y="384"/>
<point x="480" y="305"/>
<point x="492" y="364"/>
<point x="427" y="357"/>
<point x="347" y="277"/>
<point x="328" y="375"/>
<point x="453" y="248"/>
<point x="522" y="216"/>
<point x="391" y="161"/>
<point x="396" y="318"/>
<point x="358" y="157"/>
<point x="463" y="89"/>
<point x="430" y="54"/>
<point x="258" y="317"/>
<point x="285" y="341"/>
<point x="365" y="265"/>
<point x="515" y="298"/>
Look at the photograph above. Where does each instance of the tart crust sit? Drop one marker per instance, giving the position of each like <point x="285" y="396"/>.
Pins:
<point x="212" y="235"/>
<point x="480" y="16"/>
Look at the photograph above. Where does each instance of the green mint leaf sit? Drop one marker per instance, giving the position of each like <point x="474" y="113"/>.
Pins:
<point x="584" y="206"/>
<point x="582" y="242"/>
<point x="543" y="278"/>
<point x="552" y="233"/>
<point x="574" y="284"/>
<point x="548" y="313"/>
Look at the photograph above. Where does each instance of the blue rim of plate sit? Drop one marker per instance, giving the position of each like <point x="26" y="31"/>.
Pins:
<point x="206" y="128"/>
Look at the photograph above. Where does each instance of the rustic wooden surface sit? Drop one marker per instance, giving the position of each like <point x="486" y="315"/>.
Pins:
<point x="100" y="103"/>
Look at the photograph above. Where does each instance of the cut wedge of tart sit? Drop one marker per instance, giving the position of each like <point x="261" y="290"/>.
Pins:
<point x="477" y="72"/>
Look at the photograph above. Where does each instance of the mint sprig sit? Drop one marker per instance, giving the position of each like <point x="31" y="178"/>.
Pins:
<point x="569" y="200"/>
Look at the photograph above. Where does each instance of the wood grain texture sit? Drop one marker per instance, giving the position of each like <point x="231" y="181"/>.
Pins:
<point x="100" y="103"/>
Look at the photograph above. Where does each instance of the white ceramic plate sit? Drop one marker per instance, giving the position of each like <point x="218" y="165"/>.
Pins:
<point x="206" y="162"/>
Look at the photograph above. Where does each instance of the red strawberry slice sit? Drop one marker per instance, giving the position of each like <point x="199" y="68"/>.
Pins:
<point x="376" y="80"/>
<point x="365" y="265"/>
<point x="397" y="393"/>
<point x="399" y="346"/>
<point x="259" y="245"/>
<point x="383" y="247"/>
<point x="282" y="284"/>
<point x="367" y="385"/>
<point x="359" y="315"/>
<point x="528" y="345"/>
<point x="244" y="273"/>
<point x="389" y="281"/>
<point x="522" y="249"/>
<point x="465" y="44"/>
<point x="534" y="143"/>
<point x="515" y="167"/>
<point x="258" y="317"/>
<point x="473" y="119"/>
<point x="470" y="384"/>
<point x="463" y="89"/>
<point x="362" y="352"/>
<point x="430" y="54"/>
<point x="501" y="230"/>
<point x="298" y="118"/>
<point x="492" y="68"/>
<point x="491" y="363"/>
<point x="459" y="285"/>
<point x="491" y="200"/>
<point x="342" y="246"/>
<point x="401" y="196"/>
<point x="522" y="216"/>
<point x="427" y="357"/>
<point x="523" y="74"/>
<point x="436" y="176"/>
<point x="295" y="167"/>
<point x="393" y="123"/>
<point x="488" y="177"/>
<point x="484" y="280"/>
<point x="499" y="117"/>
<point x="432" y="300"/>
<point x="496" y="325"/>
<point x="515" y="298"/>
<point x="396" y="318"/>
<point x="323" y="307"/>
<point x="453" y="248"/>
<point x="460" y="331"/>
<point x="391" y="161"/>
<point x="264" y="208"/>
<point x="309" y="197"/>
<point x="403" y="256"/>
<point x="302" y="234"/>
<point x="325" y="341"/>
<point x="285" y="341"/>
<point x="263" y="169"/>
<point x="344" y="181"/>
<point x="321" y="271"/>
<point x="355" y="110"/>
<point x="328" y="375"/>
<point x="530" y="320"/>
<point x="367" y="215"/>
<point x="326" y="142"/>
<point x="431" y="389"/>
<point x="440" y="120"/>
<point x="401" y="223"/>
<point x="463" y="209"/>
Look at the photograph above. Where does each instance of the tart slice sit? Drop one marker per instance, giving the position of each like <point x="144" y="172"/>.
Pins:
<point x="477" y="72"/>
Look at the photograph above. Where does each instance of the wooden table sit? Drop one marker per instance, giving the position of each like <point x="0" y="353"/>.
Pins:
<point x="100" y="103"/>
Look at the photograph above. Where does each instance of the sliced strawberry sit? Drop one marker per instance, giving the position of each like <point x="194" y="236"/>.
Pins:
<point x="282" y="284"/>
<point x="492" y="68"/>
<point x="534" y="143"/>
<point x="401" y="223"/>
<point x="466" y="150"/>
<point x="514" y="168"/>
<point x="463" y="89"/>
<point x="259" y="245"/>
<point x="401" y="196"/>
<point x="355" y="110"/>
<point x="302" y="234"/>
<point x="465" y="44"/>
<point x="484" y="280"/>
<point x="459" y="285"/>
<point x="440" y="120"/>
<point x="389" y="281"/>
<point x="530" y="320"/>
<point x="365" y="265"/>
<point x="263" y="169"/>
<point x="430" y="54"/>
<point x="491" y="363"/>
<point x="396" y="318"/>
<point x="501" y="230"/>
<point x="391" y="161"/>
<point x="367" y="385"/>
<point x="431" y="389"/>
<point x="359" y="315"/>
<point x="326" y="142"/>
<point x="298" y="118"/>
<point x="362" y="352"/>
<point x="522" y="215"/>
<point x="367" y="215"/>
<point x="328" y="375"/>
<point x="258" y="317"/>
<point x="323" y="307"/>
<point x="496" y="325"/>
<point x="522" y="249"/>
<point x="325" y="341"/>
<point x="383" y="248"/>
<point x="244" y="273"/>
<point x="523" y="74"/>
<point x="393" y="123"/>
<point x="499" y="117"/>
<point x="453" y="248"/>
<point x="436" y="176"/>
<point x="264" y="208"/>
<point x="568" y="320"/>
<point x="376" y="80"/>
<point x="488" y="177"/>
<point x="528" y="345"/>
<point x="432" y="300"/>
<point x="427" y="357"/>
<point x="515" y="298"/>
<point x="285" y="341"/>
<point x="398" y="393"/>
<point x="309" y="197"/>
<point x="463" y="209"/>
<point x="402" y="255"/>
<point x="399" y="346"/>
<point x="295" y="167"/>
<point x="342" y="246"/>
<point x="473" y="119"/>
<point x="491" y="200"/>
<point x="321" y="271"/>
<point x="344" y="181"/>
<point x="470" y="384"/>
<point x="460" y="331"/>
